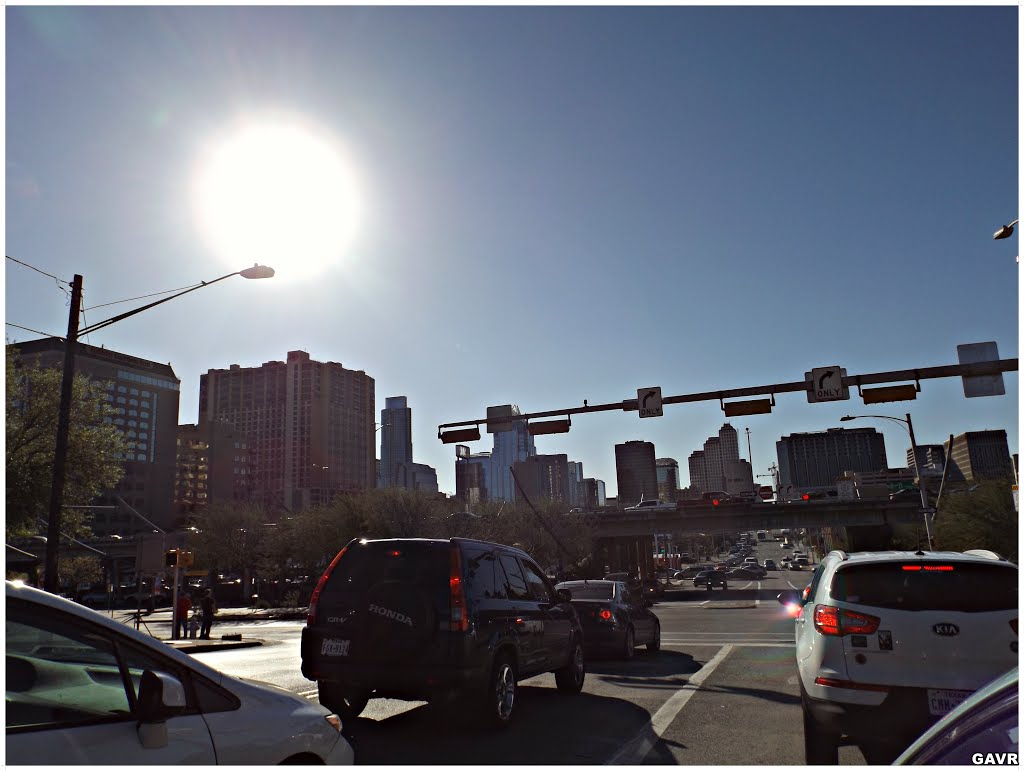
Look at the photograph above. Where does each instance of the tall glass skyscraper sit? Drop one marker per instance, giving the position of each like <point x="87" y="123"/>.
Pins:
<point x="395" y="440"/>
<point x="510" y="447"/>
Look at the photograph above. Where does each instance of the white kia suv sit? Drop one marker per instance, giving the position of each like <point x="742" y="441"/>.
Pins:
<point x="888" y="642"/>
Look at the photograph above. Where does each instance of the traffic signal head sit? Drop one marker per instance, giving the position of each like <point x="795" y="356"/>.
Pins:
<point x="171" y="558"/>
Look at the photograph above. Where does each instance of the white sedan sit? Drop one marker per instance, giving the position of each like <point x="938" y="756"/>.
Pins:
<point x="84" y="689"/>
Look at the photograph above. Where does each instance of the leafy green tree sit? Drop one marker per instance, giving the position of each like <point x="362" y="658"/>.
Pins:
<point x="231" y="539"/>
<point x="981" y="518"/>
<point x="94" y="454"/>
<point x="79" y="570"/>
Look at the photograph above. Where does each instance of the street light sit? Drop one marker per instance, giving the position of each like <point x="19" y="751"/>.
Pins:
<point x="909" y="427"/>
<point x="1005" y="231"/>
<point x="64" y="414"/>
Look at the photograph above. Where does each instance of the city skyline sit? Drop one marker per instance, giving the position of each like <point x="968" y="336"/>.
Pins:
<point x="694" y="198"/>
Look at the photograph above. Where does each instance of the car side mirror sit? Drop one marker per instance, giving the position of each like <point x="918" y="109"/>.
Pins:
<point x="161" y="696"/>
<point x="563" y="595"/>
<point x="790" y="597"/>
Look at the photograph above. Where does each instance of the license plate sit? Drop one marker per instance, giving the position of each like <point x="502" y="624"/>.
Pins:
<point x="942" y="701"/>
<point x="335" y="647"/>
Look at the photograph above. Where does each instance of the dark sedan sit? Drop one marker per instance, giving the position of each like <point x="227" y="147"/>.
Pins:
<point x="615" y="618"/>
<point x="711" y="579"/>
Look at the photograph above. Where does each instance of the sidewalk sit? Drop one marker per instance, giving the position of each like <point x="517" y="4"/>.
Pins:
<point x="228" y="641"/>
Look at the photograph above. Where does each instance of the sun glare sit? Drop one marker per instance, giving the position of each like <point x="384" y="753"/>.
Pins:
<point x="277" y="194"/>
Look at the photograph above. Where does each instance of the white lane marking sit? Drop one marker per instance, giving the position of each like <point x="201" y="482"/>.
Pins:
<point x="791" y="584"/>
<point x="717" y="643"/>
<point x="705" y="602"/>
<point x="757" y="602"/>
<point x="636" y="749"/>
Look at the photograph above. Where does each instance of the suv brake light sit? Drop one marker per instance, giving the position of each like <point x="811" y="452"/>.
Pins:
<point x="311" y="614"/>
<point x="835" y="621"/>
<point x="459" y="619"/>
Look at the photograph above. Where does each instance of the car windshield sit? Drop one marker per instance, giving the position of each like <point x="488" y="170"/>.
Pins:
<point x="914" y="585"/>
<point x="590" y="592"/>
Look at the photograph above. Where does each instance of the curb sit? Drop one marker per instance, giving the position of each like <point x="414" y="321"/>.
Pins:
<point x="188" y="646"/>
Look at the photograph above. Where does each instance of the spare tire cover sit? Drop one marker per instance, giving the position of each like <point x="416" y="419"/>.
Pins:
<point x="399" y="620"/>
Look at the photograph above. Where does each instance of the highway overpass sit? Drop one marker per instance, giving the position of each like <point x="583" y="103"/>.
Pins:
<point x="739" y="517"/>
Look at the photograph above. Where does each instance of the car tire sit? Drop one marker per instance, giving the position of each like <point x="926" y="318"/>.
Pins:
<point x="821" y="747"/>
<point x="725" y="585"/>
<point x="629" y="644"/>
<point x="500" y="693"/>
<point x="344" y="701"/>
<point x="655" y="644"/>
<point x="569" y="678"/>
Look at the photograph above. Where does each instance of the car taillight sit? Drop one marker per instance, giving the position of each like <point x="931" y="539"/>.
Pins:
<point x="457" y="598"/>
<point x="604" y="614"/>
<point x="835" y="621"/>
<point x="311" y="614"/>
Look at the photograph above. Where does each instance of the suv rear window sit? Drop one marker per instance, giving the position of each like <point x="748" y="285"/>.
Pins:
<point x="598" y="592"/>
<point x="424" y="564"/>
<point x="966" y="587"/>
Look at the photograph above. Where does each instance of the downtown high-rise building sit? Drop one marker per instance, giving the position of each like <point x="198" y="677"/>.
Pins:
<point x="395" y="441"/>
<point x="144" y="395"/>
<point x="593" y="494"/>
<point x="575" y="483"/>
<point x="471" y="475"/>
<point x="636" y="473"/>
<point x="543" y="478"/>
<point x="817" y="459"/>
<point x="215" y="467"/>
<point x="510" y="446"/>
<point x="979" y="455"/>
<point x="714" y="468"/>
<point x="309" y="425"/>
<point x="932" y="458"/>
<point x="668" y="479"/>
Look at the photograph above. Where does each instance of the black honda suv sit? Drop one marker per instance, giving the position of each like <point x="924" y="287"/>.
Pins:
<point x="414" y="618"/>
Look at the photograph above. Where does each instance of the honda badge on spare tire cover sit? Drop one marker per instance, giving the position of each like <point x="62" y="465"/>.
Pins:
<point x="399" y="620"/>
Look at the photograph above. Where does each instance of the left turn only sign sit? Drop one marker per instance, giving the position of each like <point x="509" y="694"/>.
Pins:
<point x="648" y="400"/>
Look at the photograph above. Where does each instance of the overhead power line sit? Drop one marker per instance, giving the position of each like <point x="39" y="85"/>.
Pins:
<point x="35" y="331"/>
<point x="33" y="267"/>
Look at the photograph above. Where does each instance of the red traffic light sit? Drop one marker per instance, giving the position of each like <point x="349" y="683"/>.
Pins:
<point x="806" y="496"/>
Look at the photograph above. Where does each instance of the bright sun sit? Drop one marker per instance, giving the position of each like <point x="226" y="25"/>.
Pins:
<point x="276" y="194"/>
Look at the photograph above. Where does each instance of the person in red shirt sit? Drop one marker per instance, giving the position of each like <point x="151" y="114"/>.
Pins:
<point x="181" y="618"/>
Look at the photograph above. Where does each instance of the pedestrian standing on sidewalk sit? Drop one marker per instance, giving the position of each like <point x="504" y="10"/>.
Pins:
<point x="209" y="607"/>
<point x="181" y="616"/>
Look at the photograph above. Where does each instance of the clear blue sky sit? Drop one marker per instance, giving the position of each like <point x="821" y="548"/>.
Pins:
<point x="554" y="204"/>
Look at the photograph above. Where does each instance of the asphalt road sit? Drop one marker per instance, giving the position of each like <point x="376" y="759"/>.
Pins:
<point x="722" y="691"/>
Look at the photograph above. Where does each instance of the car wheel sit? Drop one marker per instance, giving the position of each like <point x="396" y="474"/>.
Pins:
<point x="629" y="644"/>
<point x="724" y="586"/>
<point x="821" y="748"/>
<point x="655" y="644"/>
<point x="570" y="677"/>
<point x="344" y="701"/>
<point x="500" y="696"/>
